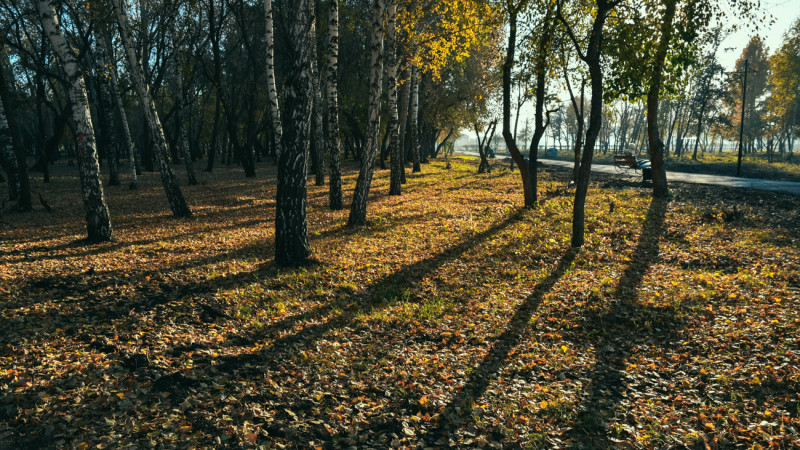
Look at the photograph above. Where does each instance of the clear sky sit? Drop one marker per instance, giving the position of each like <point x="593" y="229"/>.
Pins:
<point x="783" y="12"/>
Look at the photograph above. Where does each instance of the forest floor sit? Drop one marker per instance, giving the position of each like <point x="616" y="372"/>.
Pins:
<point x="453" y="319"/>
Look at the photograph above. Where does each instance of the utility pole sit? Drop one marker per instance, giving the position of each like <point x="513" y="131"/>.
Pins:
<point x="741" y="125"/>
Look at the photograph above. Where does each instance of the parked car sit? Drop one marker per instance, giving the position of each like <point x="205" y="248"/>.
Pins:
<point x="551" y="152"/>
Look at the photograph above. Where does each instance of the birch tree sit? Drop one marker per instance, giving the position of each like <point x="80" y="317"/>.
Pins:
<point x="358" y="209"/>
<point x="334" y="150"/>
<point x="98" y="222"/>
<point x="272" y="91"/>
<point x="291" y="225"/>
<point x="414" y="120"/>
<point x="174" y="196"/>
<point x="395" y="183"/>
<point x="126" y="140"/>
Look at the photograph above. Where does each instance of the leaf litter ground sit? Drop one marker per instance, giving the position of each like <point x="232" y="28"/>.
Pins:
<point x="453" y="319"/>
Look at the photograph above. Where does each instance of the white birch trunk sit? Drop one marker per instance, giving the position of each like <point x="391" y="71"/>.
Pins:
<point x="98" y="222"/>
<point x="174" y="196"/>
<point x="395" y="185"/>
<point x="358" y="209"/>
<point x="272" y="91"/>
<point x="319" y="139"/>
<point x="291" y="224"/>
<point x="123" y="116"/>
<point x="414" y="112"/>
<point x="335" y="182"/>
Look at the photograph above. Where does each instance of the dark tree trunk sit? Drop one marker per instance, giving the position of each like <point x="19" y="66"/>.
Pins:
<point x="212" y="146"/>
<point x="291" y="225"/>
<point x="516" y="155"/>
<point x="660" y="187"/>
<point x="335" y="182"/>
<point x="20" y="155"/>
<point x="484" y="166"/>
<point x="539" y="124"/>
<point x="592" y="60"/>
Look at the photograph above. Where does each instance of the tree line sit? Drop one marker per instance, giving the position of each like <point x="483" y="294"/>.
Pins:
<point x="308" y="83"/>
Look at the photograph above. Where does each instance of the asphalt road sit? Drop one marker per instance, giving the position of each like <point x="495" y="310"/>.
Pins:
<point x="786" y="187"/>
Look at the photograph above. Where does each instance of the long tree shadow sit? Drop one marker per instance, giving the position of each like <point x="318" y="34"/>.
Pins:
<point x="460" y="407"/>
<point x="156" y="286"/>
<point x="373" y="298"/>
<point x="283" y="338"/>
<point x="616" y="333"/>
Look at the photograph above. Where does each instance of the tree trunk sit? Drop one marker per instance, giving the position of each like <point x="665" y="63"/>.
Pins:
<point x="230" y="118"/>
<point x="592" y="60"/>
<point x="539" y="124"/>
<point x="395" y="181"/>
<point x="484" y="166"/>
<point x="41" y="142"/>
<point x="442" y="144"/>
<point x="358" y="209"/>
<point x="516" y="155"/>
<point x="212" y="147"/>
<point x="579" y="116"/>
<point x="23" y="196"/>
<point x="8" y="157"/>
<point x="334" y="148"/>
<point x="183" y="138"/>
<point x="699" y="130"/>
<point x="127" y="140"/>
<point x="98" y="222"/>
<point x="318" y="143"/>
<point x="291" y="225"/>
<point x="660" y="187"/>
<point x="414" y="120"/>
<point x="402" y="118"/>
<point x="272" y="91"/>
<point x="174" y="196"/>
<point x="110" y="135"/>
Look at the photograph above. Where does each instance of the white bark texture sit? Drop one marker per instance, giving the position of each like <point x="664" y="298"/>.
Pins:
<point x="174" y="196"/>
<point x="105" y="41"/>
<point x="272" y="91"/>
<point x="395" y="185"/>
<point x="98" y="222"/>
<point x="358" y="209"/>
<point x="414" y="112"/>
<point x="335" y="182"/>
<point x="291" y="224"/>
<point x="319" y="132"/>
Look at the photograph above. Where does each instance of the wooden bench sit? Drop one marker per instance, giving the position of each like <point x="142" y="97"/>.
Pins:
<point x="630" y="165"/>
